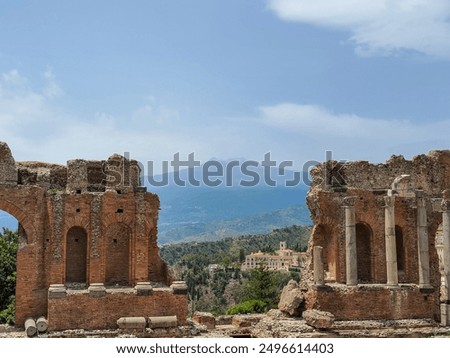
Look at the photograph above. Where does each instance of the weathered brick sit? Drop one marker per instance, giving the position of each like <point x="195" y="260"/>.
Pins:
<point x="87" y="222"/>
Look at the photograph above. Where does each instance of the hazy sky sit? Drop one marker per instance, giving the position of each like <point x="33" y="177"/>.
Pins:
<point x="224" y="78"/>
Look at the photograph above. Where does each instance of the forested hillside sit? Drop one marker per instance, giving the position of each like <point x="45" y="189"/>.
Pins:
<point x="223" y="288"/>
<point x="234" y="249"/>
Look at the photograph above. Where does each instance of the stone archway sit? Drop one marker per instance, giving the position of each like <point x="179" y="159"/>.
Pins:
<point x="27" y="267"/>
<point x="26" y="227"/>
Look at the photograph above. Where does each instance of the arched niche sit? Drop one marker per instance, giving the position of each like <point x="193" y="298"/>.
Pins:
<point x="323" y="236"/>
<point x="117" y="254"/>
<point x="76" y="255"/>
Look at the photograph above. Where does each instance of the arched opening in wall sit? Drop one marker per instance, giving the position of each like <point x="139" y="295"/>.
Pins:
<point x="9" y="245"/>
<point x="117" y="247"/>
<point x="400" y="248"/>
<point x="364" y="252"/>
<point x="322" y="236"/>
<point x="76" y="257"/>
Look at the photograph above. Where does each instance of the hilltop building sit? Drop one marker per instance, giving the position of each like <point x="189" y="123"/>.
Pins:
<point x="284" y="259"/>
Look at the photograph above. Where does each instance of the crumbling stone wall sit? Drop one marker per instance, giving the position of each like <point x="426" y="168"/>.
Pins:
<point x="71" y="219"/>
<point x="372" y="302"/>
<point x="103" y="311"/>
<point x="365" y="186"/>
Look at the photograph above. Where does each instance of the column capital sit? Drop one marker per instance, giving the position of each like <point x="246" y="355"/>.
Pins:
<point x="419" y="193"/>
<point x="349" y="200"/>
<point x="445" y="205"/>
<point x="446" y="194"/>
<point x="389" y="200"/>
<point x="420" y="198"/>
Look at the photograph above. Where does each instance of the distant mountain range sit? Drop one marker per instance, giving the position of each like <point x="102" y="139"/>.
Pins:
<point x="219" y="229"/>
<point x="233" y="173"/>
<point x="208" y="214"/>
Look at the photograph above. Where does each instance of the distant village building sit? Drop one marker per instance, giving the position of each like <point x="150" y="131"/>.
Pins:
<point x="213" y="268"/>
<point x="284" y="259"/>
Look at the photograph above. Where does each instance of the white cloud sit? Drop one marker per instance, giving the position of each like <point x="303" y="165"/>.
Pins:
<point x="52" y="88"/>
<point x="354" y="136"/>
<point x="378" y="27"/>
<point x="15" y="80"/>
<point x="36" y="127"/>
<point x="20" y="106"/>
<point x="315" y="120"/>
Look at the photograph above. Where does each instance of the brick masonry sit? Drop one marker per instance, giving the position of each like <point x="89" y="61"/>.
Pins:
<point x="83" y="223"/>
<point x="372" y="302"/>
<point x="79" y="309"/>
<point x="368" y="184"/>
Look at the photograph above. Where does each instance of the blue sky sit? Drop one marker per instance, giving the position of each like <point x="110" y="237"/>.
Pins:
<point x="225" y="79"/>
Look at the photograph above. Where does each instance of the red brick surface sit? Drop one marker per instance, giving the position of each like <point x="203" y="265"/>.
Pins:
<point x="89" y="221"/>
<point x="372" y="302"/>
<point x="79" y="310"/>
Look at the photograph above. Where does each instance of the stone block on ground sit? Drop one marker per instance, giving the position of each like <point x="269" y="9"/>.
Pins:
<point x="291" y="299"/>
<point x="276" y="314"/>
<point x="223" y="320"/>
<point x="205" y="319"/>
<point x="318" y="319"/>
<point x="242" y="321"/>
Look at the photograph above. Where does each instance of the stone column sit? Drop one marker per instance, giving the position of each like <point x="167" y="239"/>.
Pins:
<point x="391" y="250"/>
<point x="446" y="243"/>
<point x="422" y="241"/>
<point x="319" y="276"/>
<point x="445" y="308"/>
<point x="350" y="242"/>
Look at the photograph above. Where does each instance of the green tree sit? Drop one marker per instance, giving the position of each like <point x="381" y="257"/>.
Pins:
<point x="241" y="255"/>
<point x="8" y="253"/>
<point x="262" y="286"/>
<point x="251" y="306"/>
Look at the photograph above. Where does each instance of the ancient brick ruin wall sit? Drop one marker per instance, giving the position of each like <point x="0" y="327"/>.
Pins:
<point x="372" y="302"/>
<point x="329" y="232"/>
<point x="430" y="173"/>
<point x="72" y="219"/>
<point x="103" y="312"/>
<point x="367" y="184"/>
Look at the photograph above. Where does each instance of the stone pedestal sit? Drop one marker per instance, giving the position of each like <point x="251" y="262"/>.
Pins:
<point x="144" y="289"/>
<point x="391" y="249"/>
<point x="422" y="242"/>
<point x="179" y="287"/>
<point x="350" y="242"/>
<point x="97" y="290"/>
<point x="57" y="291"/>
<point x="319" y="276"/>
